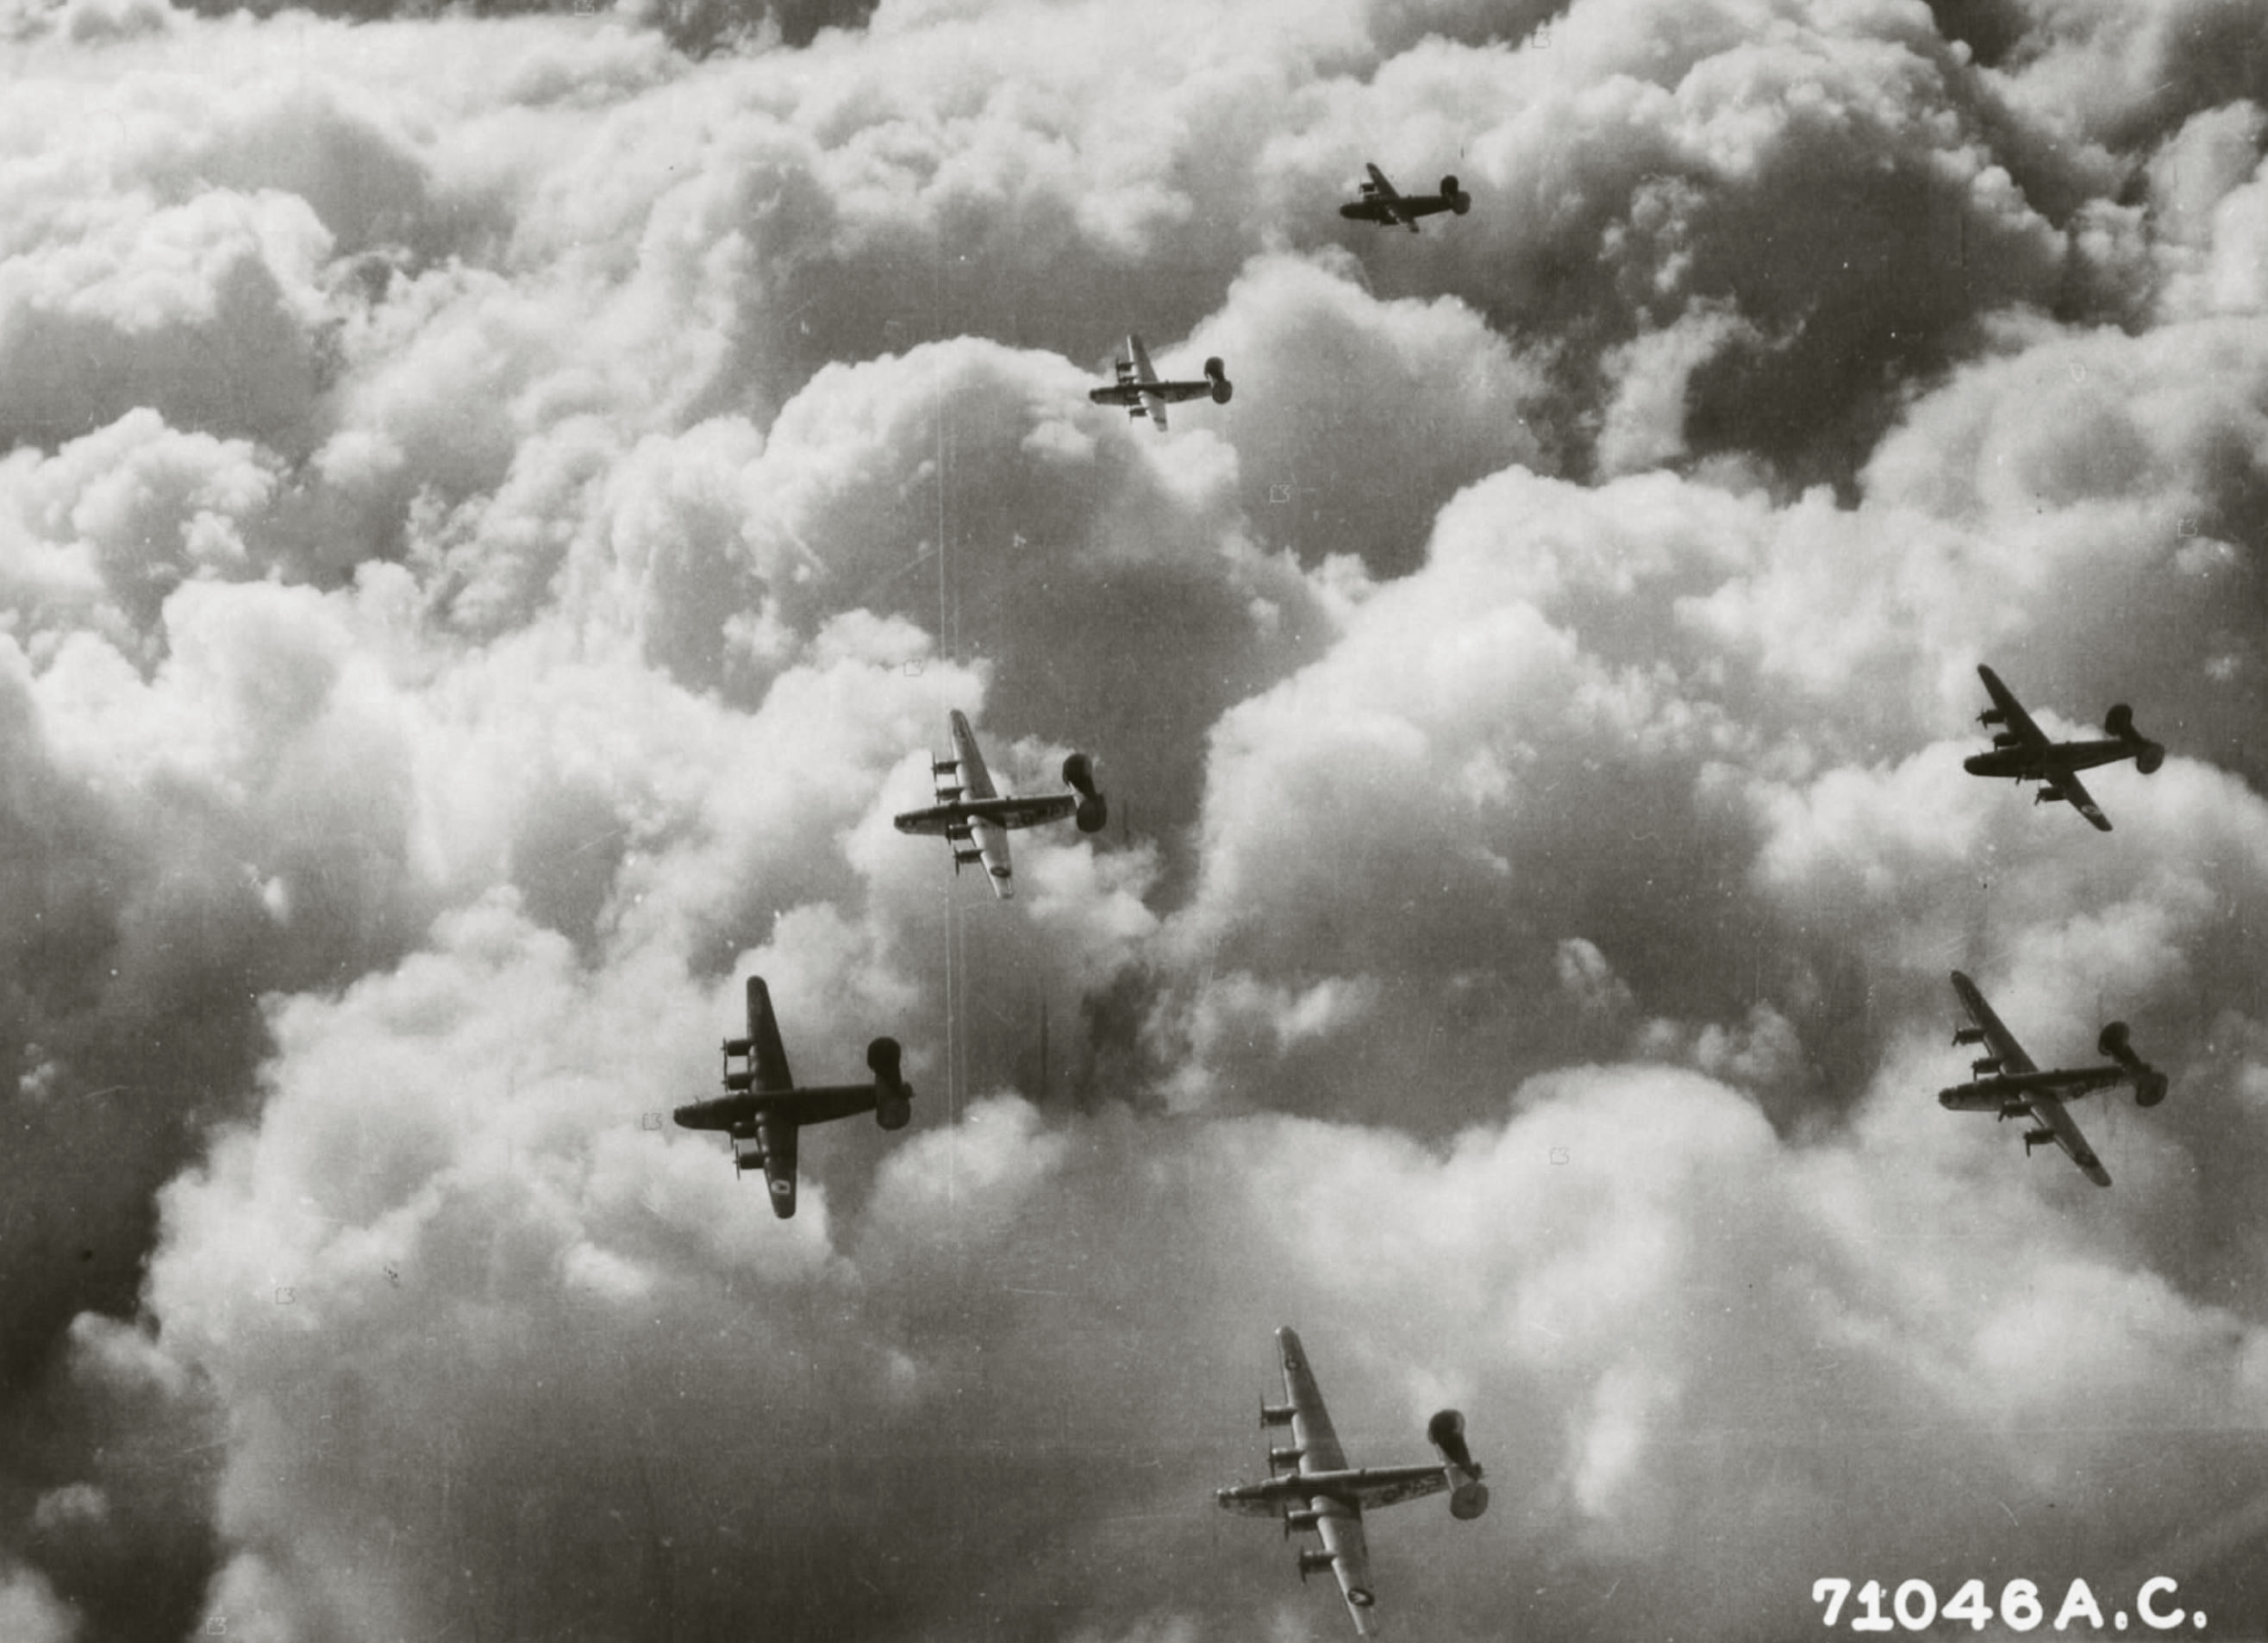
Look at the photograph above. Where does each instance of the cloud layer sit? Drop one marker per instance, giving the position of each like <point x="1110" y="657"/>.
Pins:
<point x="494" y="512"/>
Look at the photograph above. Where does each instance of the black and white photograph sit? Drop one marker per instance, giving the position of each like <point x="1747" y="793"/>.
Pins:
<point x="1133" y="820"/>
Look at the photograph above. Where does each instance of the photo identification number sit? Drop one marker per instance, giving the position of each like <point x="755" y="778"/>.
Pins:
<point x="1914" y="1606"/>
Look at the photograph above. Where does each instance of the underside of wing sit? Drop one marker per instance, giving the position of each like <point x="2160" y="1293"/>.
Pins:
<point x="2012" y="716"/>
<point x="769" y="1055"/>
<point x="777" y="1136"/>
<point x="2006" y="1050"/>
<point x="1154" y="403"/>
<point x="2068" y="785"/>
<point x="975" y="780"/>
<point x="992" y="841"/>
<point x="1311" y="1422"/>
<point x="1143" y="369"/>
<point x="2057" y="1116"/>
<point x="1349" y="1551"/>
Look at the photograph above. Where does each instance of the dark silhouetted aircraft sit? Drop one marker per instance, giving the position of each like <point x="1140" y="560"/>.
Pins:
<point x="2022" y="750"/>
<point x="1310" y="1486"/>
<point x="763" y="1105"/>
<point x="1380" y="203"/>
<point x="2008" y="1084"/>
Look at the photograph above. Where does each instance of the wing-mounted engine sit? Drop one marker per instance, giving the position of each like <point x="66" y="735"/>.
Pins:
<point x="2049" y="795"/>
<point x="1093" y="810"/>
<point x="2150" y="1085"/>
<point x="1967" y="1035"/>
<point x="1275" y="1414"/>
<point x="1313" y="1560"/>
<point x="1460" y="201"/>
<point x="1300" y="1520"/>
<point x="1281" y="1460"/>
<point x="2149" y="754"/>
<point x="894" y="1097"/>
<point x="1469" y="1497"/>
<point x="1216" y="373"/>
<point x="2037" y="1138"/>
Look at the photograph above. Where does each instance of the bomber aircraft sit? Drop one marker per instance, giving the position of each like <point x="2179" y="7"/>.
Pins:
<point x="2021" y="749"/>
<point x="762" y="1104"/>
<point x="1310" y="1486"/>
<point x="2007" y="1083"/>
<point x="1381" y="204"/>
<point x="1139" y="389"/>
<point x="975" y="819"/>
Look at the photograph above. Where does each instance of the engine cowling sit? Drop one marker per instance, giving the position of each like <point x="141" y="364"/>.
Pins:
<point x="893" y="1096"/>
<point x="1469" y="1497"/>
<point x="1216" y="373"/>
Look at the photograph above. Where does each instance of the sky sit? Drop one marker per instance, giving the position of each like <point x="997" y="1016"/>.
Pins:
<point x="495" y="506"/>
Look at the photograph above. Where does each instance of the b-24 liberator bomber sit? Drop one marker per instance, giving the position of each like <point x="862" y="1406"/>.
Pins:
<point x="1311" y="1487"/>
<point x="1139" y="389"/>
<point x="2021" y="749"/>
<point x="762" y="1104"/>
<point x="2008" y="1082"/>
<point x="1381" y="202"/>
<point x="975" y="818"/>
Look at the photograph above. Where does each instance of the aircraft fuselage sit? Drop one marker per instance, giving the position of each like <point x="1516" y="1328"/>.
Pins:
<point x="2037" y="763"/>
<point x="2015" y="1089"/>
<point x="740" y="1113"/>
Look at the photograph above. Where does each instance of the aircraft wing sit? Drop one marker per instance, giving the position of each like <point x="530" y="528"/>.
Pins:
<point x="975" y="780"/>
<point x="2068" y="784"/>
<point x="1145" y="374"/>
<point x="977" y="784"/>
<point x="775" y="1134"/>
<point x="2057" y="1116"/>
<point x="769" y="1053"/>
<point x="2011" y="712"/>
<point x="1340" y="1529"/>
<point x="992" y="841"/>
<point x="1311" y="1422"/>
<point x="2006" y="1050"/>
<point x="1396" y="209"/>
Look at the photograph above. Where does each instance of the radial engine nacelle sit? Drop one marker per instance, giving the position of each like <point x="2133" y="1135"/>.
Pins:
<point x="1093" y="810"/>
<point x="893" y="1096"/>
<point x="1468" y="1495"/>
<point x="2149" y="1083"/>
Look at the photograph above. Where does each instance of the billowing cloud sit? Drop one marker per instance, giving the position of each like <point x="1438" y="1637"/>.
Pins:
<point x="495" y="512"/>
